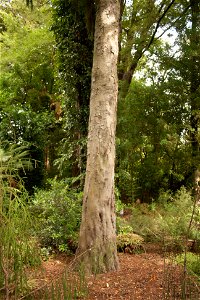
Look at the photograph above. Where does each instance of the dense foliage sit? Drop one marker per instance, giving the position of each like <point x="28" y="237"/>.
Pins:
<point x="75" y="46"/>
<point x="47" y="77"/>
<point x="158" y="135"/>
<point x="17" y="249"/>
<point x="28" y="89"/>
<point x="58" y="210"/>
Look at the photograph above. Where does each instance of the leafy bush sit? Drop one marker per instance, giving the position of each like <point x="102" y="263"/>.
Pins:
<point x="130" y="243"/>
<point x="119" y="206"/>
<point x="176" y="213"/>
<point x="59" y="213"/>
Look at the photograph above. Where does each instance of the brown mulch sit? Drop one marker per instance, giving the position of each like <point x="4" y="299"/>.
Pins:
<point x="140" y="277"/>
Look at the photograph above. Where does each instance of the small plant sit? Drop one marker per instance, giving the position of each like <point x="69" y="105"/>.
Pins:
<point x="45" y="253"/>
<point x="130" y="243"/>
<point x="180" y="282"/>
<point x="187" y="286"/>
<point x="118" y="203"/>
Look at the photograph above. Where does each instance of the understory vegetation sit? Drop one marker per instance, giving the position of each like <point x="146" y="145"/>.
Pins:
<point x="37" y="227"/>
<point x="58" y="212"/>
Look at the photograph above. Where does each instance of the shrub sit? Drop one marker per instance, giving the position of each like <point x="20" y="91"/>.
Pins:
<point x="123" y="226"/>
<point x="192" y="262"/>
<point x="118" y="203"/>
<point x="145" y="223"/>
<point x="168" y="221"/>
<point x="177" y="212"/>
<point x="59" y="213"/>
<point x="130" y="243"/>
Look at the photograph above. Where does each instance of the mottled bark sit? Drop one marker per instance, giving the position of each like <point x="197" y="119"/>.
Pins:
<point x="97" y="242"/>
<point x="194" y="92"/>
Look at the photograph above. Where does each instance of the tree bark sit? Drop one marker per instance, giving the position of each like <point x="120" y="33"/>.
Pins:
<point x="97" y="241"/>
<point x="194" y="93"/>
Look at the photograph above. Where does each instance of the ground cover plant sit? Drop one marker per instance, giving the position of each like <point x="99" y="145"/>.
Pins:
<point x="130" y="243"/>
<point x="192" y="262"/>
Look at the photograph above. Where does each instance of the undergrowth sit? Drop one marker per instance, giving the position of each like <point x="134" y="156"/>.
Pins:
<point x="17" y="249"/>
<point x="69" y="286"/>
<point x="58" y="211"/>
<point x="193" y="262"/>
<point x="167" y="220"/>
<point x="130" y="243"/>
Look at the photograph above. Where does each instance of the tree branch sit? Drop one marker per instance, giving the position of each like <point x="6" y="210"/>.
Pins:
<point x="172" y="24"/>
<point x="158" y="23"/>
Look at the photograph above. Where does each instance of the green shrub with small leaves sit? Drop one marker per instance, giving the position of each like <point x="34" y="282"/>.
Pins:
<point x="59" y="213"/>
<point x="145" y="222"/>
<point x="192" y="262"/>
<point x="176" y="213"/>
<point x="130" y="243"/>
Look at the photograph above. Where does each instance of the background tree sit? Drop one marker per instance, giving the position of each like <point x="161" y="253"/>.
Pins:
<point x="159" y="143"/>
<point x="28" y="85"/>
<point x="143" y="22"/>
<point x="195" y="91"/>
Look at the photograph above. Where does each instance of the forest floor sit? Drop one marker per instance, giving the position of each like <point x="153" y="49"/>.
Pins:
<point x="145" y="276"/>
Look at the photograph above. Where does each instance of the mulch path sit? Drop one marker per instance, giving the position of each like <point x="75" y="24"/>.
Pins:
<point x="140" y="277"/>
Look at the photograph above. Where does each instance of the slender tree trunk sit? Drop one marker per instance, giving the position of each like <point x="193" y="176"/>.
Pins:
<point x="194" y="93"/>
<point x="97" y="241"/>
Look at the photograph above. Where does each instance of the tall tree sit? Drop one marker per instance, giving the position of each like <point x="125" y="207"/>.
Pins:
<point x="194" y="90"/>
<point x="97" y="241"/>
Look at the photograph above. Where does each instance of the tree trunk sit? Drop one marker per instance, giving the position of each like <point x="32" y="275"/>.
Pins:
<point x="194" y="90"/>
<point x="97" y="242"/>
